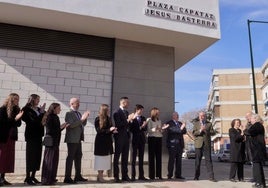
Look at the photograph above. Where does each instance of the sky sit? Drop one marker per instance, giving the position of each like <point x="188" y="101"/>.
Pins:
<point x="192" y="81"/>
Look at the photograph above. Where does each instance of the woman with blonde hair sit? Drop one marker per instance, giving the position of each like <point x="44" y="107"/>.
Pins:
<point x="10" y="120"/>
<point x="155" y="128"/>
<point x="103" y="148"/>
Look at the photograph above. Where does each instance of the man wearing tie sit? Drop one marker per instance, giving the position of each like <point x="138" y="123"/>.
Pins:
<point x="74" y="136"/>
<point x="122" y="119"/>
<point x="138" y="128"/>
<point x="202" y="131"/>
<point x="175" y="145"/>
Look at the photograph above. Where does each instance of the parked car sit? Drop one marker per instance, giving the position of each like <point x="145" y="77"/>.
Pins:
<point x="190" y="154"/>
<point x="222" y="155"/>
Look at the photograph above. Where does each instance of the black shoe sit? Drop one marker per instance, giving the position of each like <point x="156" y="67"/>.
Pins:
<point x="80" y="179"/>
<point x="180" y="177"/>
<point x="258" y="185"/>
<point x="69" y="181"/>
<point x="212" y="179"/>
<point x="133" y="179"/>
<point x="126" y="178"/>
<point x="241" y="180"/>
<point x="117" y="180"/>
<point x="143" y="178"/>
<point x="35" y="180"/>
<point x="196" y="178"/>
<point x="29" y="181"/>
<point x="233" y="180"/>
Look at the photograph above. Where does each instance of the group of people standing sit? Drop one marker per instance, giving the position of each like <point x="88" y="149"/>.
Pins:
<point x="135" y="124"/>
<point x="248" y="144"/>
<point x="36" y="120"/>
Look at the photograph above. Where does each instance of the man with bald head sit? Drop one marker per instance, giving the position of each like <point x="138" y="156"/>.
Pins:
<point x="74" y="136"/>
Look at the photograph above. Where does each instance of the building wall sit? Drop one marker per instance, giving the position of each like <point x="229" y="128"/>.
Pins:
<point x="56" y="78"/>
<point x="235" y="98"/>
<point x="144" y="73"/>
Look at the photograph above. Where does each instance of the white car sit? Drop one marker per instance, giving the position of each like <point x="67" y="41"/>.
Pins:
<point x="222" y="155"/>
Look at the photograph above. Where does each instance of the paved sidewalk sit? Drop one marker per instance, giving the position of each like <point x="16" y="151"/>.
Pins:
<point x="188" y="183"/>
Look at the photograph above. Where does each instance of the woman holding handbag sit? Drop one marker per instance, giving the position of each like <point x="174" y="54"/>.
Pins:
<point x="51" y="155"/>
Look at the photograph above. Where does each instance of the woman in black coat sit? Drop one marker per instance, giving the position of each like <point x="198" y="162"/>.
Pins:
<point x="10" y="119"/>
<point x="257" y="149"/>
<point x="34" y="131"/>
<point x="237" y="141"/>
<point x="51" y="155"/>
<point x="103" y="147"/>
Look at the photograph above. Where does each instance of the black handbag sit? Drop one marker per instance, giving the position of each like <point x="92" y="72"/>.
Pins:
<point x="48" y="141"/>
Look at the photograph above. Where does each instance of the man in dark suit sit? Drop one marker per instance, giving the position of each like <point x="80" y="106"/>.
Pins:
<point x="175" y="145"/>
<point x="138" y="128"/>
<point x="74" y="136"/>
<point x="122" y="119"/>
<point x="202" y="131"/>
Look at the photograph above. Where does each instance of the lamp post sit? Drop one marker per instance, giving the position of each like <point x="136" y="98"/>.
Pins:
<point x="252" y="64"/>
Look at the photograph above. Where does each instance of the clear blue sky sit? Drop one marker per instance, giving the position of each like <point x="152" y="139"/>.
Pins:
<point x="231" y="51"/>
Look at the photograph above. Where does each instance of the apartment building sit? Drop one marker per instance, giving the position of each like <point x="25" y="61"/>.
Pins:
<point x="231" y="96"/>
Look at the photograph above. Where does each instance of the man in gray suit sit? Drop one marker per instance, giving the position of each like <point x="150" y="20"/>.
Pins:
<point x="203" y="131"/>
<point x="74" y="136"/>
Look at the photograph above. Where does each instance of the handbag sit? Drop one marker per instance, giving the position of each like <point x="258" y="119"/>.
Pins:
<point x="48" y="141"/>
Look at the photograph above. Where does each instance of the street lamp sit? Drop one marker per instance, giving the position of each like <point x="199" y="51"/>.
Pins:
<point x="252" y="64"/>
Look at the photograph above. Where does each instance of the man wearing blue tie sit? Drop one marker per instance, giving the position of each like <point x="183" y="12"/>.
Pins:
<point x="138" y="128"/>
<point x="175" y="145"/>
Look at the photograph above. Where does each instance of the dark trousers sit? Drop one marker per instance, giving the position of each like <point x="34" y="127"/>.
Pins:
<point x="137" y="148"/>
<point x="258" y="174"/>
<point x="155" y="157"/>
<point x="237" y="167"/>
<point x="121" y="147"/>
<point x="175" y="154"/>
<point x="198" y="157"/>
<point x="74" y="155"/>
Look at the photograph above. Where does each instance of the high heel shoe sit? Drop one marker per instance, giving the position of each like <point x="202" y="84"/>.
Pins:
<point x="29" y="181"/>
<point x="35" y="180"/>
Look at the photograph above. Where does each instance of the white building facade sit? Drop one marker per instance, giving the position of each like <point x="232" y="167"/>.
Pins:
<point x="99" y="51"/>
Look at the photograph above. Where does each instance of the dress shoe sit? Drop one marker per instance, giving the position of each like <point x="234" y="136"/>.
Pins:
<point x="80" y="179"/>
<point x="35" y="180"/>
<point x="180" y="177"/>
<point x="133" y="179"/>
<point x="212" y="179"/>
<point x="196" y="178"/>
<point x="69" y="181"/>
<point x="126" y="178"/>
<point x="258" y="185"/>
<point x="28" y="181"/>
<point x="241" y="180"/>
<point x="232" y="180"/>
<point x="143" y="178"/>
<point x="117" y="180"/>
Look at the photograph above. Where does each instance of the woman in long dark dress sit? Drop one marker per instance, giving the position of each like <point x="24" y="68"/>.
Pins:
<point x="237" y="141"/>
<point x="103" y="148"/>
<point x="51" y="155"/>
<point x="257" y="149"/>
<point x="10" y="119"/>
<point x="34" y="131"/>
